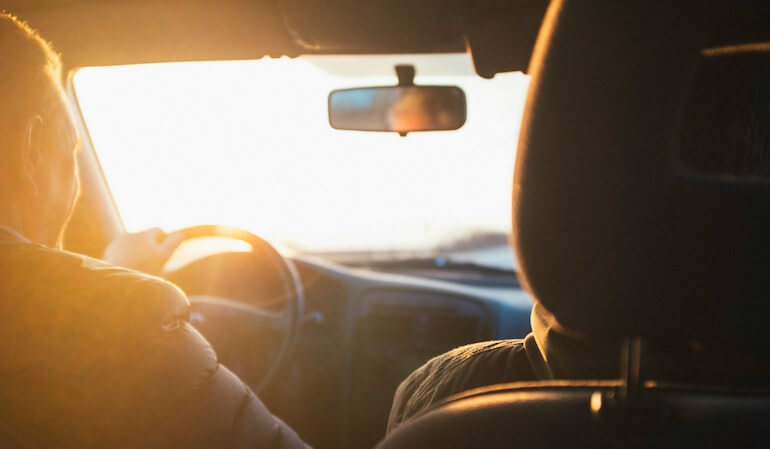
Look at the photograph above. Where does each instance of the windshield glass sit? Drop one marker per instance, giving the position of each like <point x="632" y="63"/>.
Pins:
<point x="248" y="144"/>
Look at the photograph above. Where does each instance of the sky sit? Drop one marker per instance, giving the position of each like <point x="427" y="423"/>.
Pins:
<point x="248" y="144"/>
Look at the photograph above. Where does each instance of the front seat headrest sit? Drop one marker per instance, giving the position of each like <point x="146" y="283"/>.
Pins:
<point x="614" y="234"/>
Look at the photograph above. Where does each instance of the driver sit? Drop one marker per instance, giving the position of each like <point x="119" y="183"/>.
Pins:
<point x="94" y="355"/>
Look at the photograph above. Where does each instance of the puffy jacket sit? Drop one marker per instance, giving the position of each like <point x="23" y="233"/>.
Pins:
<point x="95" y="356"/>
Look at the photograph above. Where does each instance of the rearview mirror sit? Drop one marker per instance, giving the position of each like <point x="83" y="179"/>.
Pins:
<point x="401" y="109"/>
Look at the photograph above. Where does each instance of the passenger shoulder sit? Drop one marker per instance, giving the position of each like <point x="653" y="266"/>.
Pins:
<point x="461" y="369"/>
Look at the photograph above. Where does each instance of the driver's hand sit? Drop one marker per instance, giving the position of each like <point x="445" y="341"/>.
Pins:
<point x="145" y="251"/>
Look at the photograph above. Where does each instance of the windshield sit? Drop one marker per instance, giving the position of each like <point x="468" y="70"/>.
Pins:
<point x="248" y="144"/>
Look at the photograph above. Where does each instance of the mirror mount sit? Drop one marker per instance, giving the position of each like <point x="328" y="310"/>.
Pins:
<point x="405" y="73"/>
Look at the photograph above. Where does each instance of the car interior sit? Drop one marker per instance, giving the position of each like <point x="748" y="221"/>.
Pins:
<point x="335" y="239"/>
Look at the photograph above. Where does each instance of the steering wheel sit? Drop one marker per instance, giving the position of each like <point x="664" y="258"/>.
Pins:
<point x="205" y="309"/>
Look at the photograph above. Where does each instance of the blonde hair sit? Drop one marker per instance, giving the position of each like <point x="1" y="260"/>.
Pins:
<point x="30" y="78"/>
<point x="30" y="70"/>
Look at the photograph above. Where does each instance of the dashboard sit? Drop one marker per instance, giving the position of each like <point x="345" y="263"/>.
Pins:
<point x="364" y="332"/>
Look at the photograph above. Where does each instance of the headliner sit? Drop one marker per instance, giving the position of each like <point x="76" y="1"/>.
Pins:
<point x="107" y="32"/>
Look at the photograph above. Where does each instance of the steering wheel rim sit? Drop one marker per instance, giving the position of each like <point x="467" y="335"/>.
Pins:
<point x="290" y="280"/>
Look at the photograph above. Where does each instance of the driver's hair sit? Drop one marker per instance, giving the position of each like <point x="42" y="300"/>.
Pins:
<point x="30" y="71"/>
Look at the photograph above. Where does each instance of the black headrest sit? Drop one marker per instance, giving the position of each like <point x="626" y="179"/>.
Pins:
<point x="614" y="234"/>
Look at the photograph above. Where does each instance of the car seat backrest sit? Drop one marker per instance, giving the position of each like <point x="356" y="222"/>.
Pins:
<point x="614" y="234"/>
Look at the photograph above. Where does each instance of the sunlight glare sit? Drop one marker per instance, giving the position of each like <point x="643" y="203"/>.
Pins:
<point x="248" y="144"/>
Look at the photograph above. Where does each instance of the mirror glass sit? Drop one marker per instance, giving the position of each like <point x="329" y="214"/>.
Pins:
<point x="400" y="109"/>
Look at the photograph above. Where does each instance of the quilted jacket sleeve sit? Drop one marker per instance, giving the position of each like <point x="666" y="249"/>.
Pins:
<point x="95" y="356"/>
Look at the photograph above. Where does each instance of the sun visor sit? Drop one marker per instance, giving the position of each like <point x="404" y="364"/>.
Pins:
<point x="107" y="33"/>
<point x="367" y="26"/>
